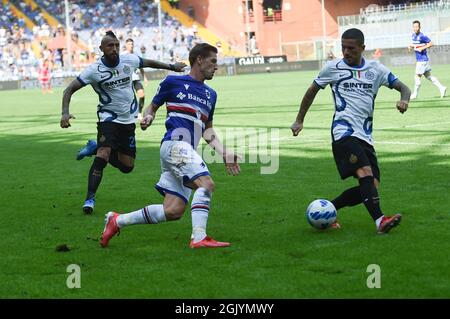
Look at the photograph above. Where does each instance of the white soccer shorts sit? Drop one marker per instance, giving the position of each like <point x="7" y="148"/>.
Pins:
<point x="422" y="67"/>
<point x="180" y="164"/>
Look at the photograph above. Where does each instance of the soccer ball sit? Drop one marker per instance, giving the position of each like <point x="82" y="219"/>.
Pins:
<point x="321" y="214"/>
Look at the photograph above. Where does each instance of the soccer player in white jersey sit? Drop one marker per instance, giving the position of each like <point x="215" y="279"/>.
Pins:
<point x="354" y="84"/>
<point x="129" y="48"/>
<point x="110" y="77"/>
<point x="420" y="43"/>
<point x="190" y="108"/>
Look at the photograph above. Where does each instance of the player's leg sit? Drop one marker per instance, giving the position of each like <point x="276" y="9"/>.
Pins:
<point x="345" y="163"/>
<point x="175" y="200"/>
<point x="95" y="177"/>
<point x="204" y="187"/>
<point x="141" y="95"/>
<point x="187" y="164"/>
<point x="123" y="152"/>
<point x="435" y="81"/>
<point x="417" y="83"/>
<point x="356" y="158"/>
<point x="106" y="142"/>
<point x="43" y="86"/>
<point x="369" y="180"/>
<point x="172" y="209"/>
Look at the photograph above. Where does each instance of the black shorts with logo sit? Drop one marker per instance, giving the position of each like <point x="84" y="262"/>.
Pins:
<point x="351" y="153"/>
<point x="119" y="137"/>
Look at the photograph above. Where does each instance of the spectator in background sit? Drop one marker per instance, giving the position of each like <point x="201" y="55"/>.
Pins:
<point x="253" y="46"/>
<point x="191" y="12"/>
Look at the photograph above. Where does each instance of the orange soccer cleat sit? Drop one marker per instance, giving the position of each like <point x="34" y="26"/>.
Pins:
<point x="389" y="222"/>
<point x="208" y="242"/>
<point x="110" y="229"/>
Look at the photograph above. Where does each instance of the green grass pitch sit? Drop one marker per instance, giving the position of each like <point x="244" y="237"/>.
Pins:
<point x="274" y="252"/>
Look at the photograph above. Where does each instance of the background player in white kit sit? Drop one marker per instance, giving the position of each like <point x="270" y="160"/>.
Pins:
<point x="420" y="43"/>
<point x="137" y="84"/>
<point x="354" y="83"/>
<point x="190" y="108"/>
<point x="110" y="77"/>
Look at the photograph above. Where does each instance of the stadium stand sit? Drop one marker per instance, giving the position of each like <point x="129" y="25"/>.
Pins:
<point x="390" y="26"/>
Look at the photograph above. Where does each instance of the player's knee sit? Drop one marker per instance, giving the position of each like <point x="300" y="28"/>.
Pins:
<point x="364" y="172"/>
<point x="376" y="182"/>
<point x="174" y="212"/>
<point x="209" y="185"/>
<point x="140" y="94"/>
<point x="104" y="153"/>
<point x="126" y="169"/>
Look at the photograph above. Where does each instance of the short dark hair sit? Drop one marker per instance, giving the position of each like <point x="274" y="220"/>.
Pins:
<point x="109" y="33"/>
<point x="201" y="49"/>
<point x="129" y="40"/>
<point x="355" y="34"/>
<point x="416" y="21"/>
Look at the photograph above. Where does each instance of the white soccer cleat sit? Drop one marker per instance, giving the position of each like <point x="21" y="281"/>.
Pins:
<point x="443" y="90"/>
<point x="413" y="96"/>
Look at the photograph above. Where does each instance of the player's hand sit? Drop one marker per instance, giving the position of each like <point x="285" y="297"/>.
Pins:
<point x="65" y="120"/>
<point x="296" y="127"/>
<point x="178" y="66"/>
<point x="146" y="121"/>
<point x="231" y="163"/>
<point x="402" y="106"/>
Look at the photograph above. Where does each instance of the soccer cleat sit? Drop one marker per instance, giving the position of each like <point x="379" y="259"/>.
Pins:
<point x="336" y="225"/>
<point x="89" y="150"/>
<point x="443" y="90"/>
<point x="110" y="229"/>
<point x="208" y="242"/>
<point x="88" y="206"/>
<point x="389" y="222"/>
<point x="413" y="96"/>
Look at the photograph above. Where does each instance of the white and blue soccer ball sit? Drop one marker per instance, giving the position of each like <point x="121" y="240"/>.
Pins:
<point x="321" y="214"/>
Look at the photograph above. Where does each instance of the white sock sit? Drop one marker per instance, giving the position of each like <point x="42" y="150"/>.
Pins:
<point x="378" y="221"/>
<point x="199" y="212"/>
<point x="435" y="82"/>
<point x="152" y="214"/>
<point x="417" y="85"/>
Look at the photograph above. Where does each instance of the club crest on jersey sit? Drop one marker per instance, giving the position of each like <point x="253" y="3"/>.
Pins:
<point x="126" y="69"/>
<point x="369" y="75"/>
<point x="208" y="95"/>
<point x="181" y="96"/>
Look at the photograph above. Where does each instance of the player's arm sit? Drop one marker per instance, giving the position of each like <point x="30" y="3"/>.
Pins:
<point x="230" y="158"/>
<point x="149" y="116"/>
<point x="74" y="86"/>
<point x="177" y="67"/>
<point x="307" y="101"/>
<point x="405" y="93"/>
<point x="426" y="46"/>
<point x="143" y="75"/>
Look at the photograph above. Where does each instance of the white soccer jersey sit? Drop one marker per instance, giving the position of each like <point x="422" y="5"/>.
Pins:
<point x="135" y="76"/>
<point x="354" y="91"/>
<point x="113" y="84"/>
